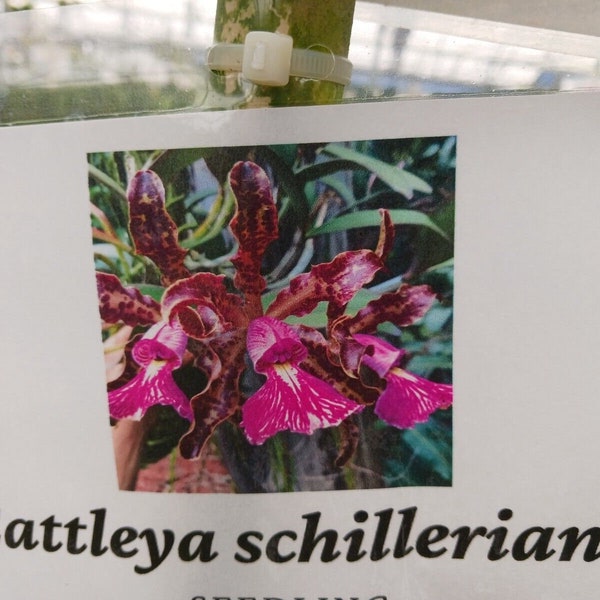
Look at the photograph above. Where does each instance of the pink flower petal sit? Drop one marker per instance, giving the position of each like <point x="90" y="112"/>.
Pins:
<point x="162" y="341"/>
<point x="293" y="400"/>
<point x="159" y="352"/>
<point x="379" y="355"/>
<point x="409" y="399"/>
<point x="273" y="342"/>
<point x="152" y="385"/>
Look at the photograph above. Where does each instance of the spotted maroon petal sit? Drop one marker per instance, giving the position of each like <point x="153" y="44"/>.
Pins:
<point x="153" y="230"/>
<point x="386" y="235"/>
<point x="319" y="363"/>
<point x="403" y="307"/>
<point x="205" y="357"/>
<point x="409" y="399"/>
<point x="334" y="282"/>
<point x="223" y="360"/>
<point x="293" y="400"/>
<point x="255" y="226"/>
<point x="203" y="306"/>
<point x="124" y="304"/>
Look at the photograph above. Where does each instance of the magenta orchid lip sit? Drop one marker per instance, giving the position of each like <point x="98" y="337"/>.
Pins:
<point x="158" y="353"/>
<point x="291" y="398"/>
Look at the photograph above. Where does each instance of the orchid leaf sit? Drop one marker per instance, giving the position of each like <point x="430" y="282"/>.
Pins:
<point x="397" y="178"/>
<point x="104" y="222"/>
<point x="215" y="221"/>
<point x="425" y="364"/>
<point x="154" y="291"/>
<point x="106" y="180"/>
<point x="153" y="230"/>
<point x="322" y="170"/>
<point x="372" y="218"/>
<point x="124" y="304"/>
<point x="430" y="249"/>
<point x="292" y="188"/>
<point x="443" y="265"/>
<point x="170" y="162"/>
<point x="109" y="238"/>
<point x="432" y="444"/>
<point x="340" y="187"/>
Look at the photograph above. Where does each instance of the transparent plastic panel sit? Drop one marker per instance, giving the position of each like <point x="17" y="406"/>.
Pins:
<point x="133" y="57"/>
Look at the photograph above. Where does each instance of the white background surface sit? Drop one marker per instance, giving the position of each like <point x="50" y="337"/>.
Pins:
<point x="526" y="361"/>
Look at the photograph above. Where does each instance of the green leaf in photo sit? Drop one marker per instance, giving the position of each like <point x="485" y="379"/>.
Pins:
<point x="372" y="218"/>
<point x="397" y="178"/>
<point x="432" y="443"/>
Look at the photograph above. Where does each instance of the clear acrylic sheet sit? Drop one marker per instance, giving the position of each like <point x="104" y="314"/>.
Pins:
<point x="131" y="57"/>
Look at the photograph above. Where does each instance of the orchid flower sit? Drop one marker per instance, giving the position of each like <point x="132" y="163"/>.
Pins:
<point x="291" y="399"/>
<point x="407" y="399"/>
<point x="314" y="378"/>
<point x="159" y="352"/>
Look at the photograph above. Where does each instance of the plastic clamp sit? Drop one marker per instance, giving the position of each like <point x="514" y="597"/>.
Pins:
<point x="267" y="58"/>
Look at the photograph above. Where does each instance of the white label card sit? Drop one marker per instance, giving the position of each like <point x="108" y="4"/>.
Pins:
<point x="307" y="353"/>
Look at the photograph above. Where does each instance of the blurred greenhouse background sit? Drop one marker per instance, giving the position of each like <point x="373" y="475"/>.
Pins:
<point x="71" y="60"/>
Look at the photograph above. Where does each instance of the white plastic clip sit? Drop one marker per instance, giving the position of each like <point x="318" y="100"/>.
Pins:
<point x="269" y="59"/>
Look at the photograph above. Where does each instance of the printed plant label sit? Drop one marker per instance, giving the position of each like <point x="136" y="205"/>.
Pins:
<point x="313" y="353"/>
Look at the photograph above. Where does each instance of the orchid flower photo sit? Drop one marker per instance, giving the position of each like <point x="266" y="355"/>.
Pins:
<point x="277" y="318"/>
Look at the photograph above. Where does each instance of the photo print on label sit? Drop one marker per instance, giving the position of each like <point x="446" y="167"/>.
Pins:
<point x="277" y="318"/>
